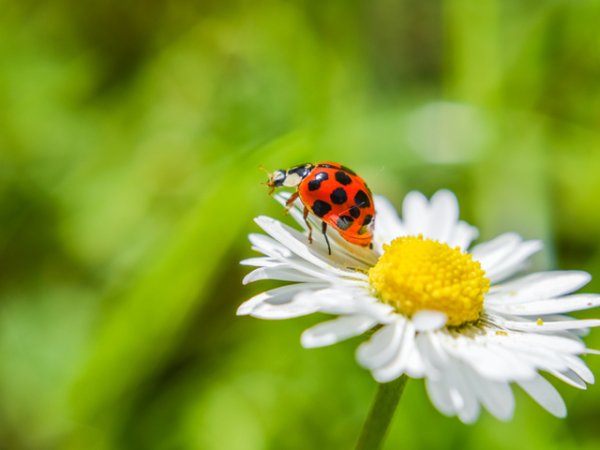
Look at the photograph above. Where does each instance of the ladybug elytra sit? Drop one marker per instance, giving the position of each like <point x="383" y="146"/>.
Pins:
<point x="333" y="193"/>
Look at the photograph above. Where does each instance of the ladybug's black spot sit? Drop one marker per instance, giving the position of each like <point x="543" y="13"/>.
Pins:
<point x="314" y="185"/>
<point x="355" y="212"/>
<point x="320" y="208"/>
<point x="368" y="219"/>
<point x="339" y="196"/>
<point x="344" y="222"/>
<point x="343" y="178"/>
<point x="362" y="199"/>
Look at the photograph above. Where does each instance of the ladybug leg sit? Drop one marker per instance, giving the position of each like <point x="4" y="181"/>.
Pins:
<point x="290" y="202"/>
<point x="306" y="211"/>
<point x="324" y="231"/>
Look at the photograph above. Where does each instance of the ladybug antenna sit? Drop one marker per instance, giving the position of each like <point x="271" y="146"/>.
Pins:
<point x="262" y="168"/>
<point x="269" y="182"/>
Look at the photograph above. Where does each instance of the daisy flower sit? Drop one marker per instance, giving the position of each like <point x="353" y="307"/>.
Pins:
<point x="439" y="308"/>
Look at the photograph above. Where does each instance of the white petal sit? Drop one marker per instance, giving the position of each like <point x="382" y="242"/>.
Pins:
<point x="268" y="246"/>
<point x="442" y="366"/>
<point x="575" y="333"/>
<point x="295" y="268"/>
<point x="347" y="301"/>
<point x="333" y="331"/>
<point x="388" y="225"/>
<point x="447" y="387"/>
<point x="576" y="302"/>
<point x="380" y="312"/>
<point x="491" y="361"/>
<point x="460" y="388"/>
<point x="310" y="269"/>
<point x="276" y="273"/>
<point x="536" y="341"/>
<point x="470" y="412"/>
<point x="440" y="396"/>
<point x="443" y="216"/>
<point x="432" y="352"/>
<point x="492" y="252"/>
<point x="283" y="311"/>
<point x="497" y="397"/>
<point x="397" y="365"/>
<point x="546" y="395"/>
<point x="260" y="262"/>
<point x="344" y="253"/>
<point x="296" y="243"/>
<point x="415" y="213"/>
<point x="278" y="295"/>
<point x="569" y="377"/>
<point x="532" y="356"/>
<point x="542" y="285"/>
<point x="429" y="320"/>
<point x="382" y="346"/>
<point x="415" y="368"/>
<point x="513" y="262"/>
<point x="580" y="368"/>
<point x="551" y="326"/>
<point x="463" y="235"/>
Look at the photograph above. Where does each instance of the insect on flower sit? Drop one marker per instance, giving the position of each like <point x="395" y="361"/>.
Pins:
<point x="334" y="194"/>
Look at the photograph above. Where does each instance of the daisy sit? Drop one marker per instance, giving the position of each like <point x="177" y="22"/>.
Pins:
<point x="439" y="309"/>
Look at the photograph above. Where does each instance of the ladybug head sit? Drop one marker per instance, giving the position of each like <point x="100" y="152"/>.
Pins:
<point x="276" y="179"/>
<point x="289" y="178"/>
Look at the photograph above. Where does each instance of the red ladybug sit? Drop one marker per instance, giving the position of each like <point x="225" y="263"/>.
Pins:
<point x="333" y="193"/>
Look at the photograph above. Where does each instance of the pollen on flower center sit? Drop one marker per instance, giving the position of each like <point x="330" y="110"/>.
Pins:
<point x="415" y="274"/>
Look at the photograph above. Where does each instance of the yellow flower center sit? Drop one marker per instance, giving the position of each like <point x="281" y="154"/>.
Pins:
<point x="415" y="274"/>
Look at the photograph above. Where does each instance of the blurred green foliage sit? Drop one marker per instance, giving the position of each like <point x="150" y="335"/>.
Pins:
<point x="130" y="139"/>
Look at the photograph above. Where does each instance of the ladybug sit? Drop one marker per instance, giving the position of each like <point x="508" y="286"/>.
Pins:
<point x="333" y="193"/>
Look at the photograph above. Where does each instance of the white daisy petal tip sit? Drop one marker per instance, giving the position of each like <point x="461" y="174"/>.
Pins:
<point x="333" y="331"/>
<point x="243" y="310"/>
<point x="249" y="278"/>
<point x="538" y="286"/>
<point x="446" y="198"/>
<point x="536" y="245"/>
<point x="260" y="220"/>
<point x="382" y="377"/>
<point x="267" y="223"/>
<point x="583" y="278"/>
<point x="428" y="320"/>
<point x="309" y="340"/>
<point x="545" y="395"/>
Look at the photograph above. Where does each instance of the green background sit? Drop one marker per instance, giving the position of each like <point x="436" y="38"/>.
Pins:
<point x="131" y="134"/>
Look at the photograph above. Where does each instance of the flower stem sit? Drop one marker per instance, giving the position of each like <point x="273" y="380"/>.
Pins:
<point x="381" y="413"/>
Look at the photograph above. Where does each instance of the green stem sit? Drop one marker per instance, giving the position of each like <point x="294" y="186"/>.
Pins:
<point x="383" y="408"/>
